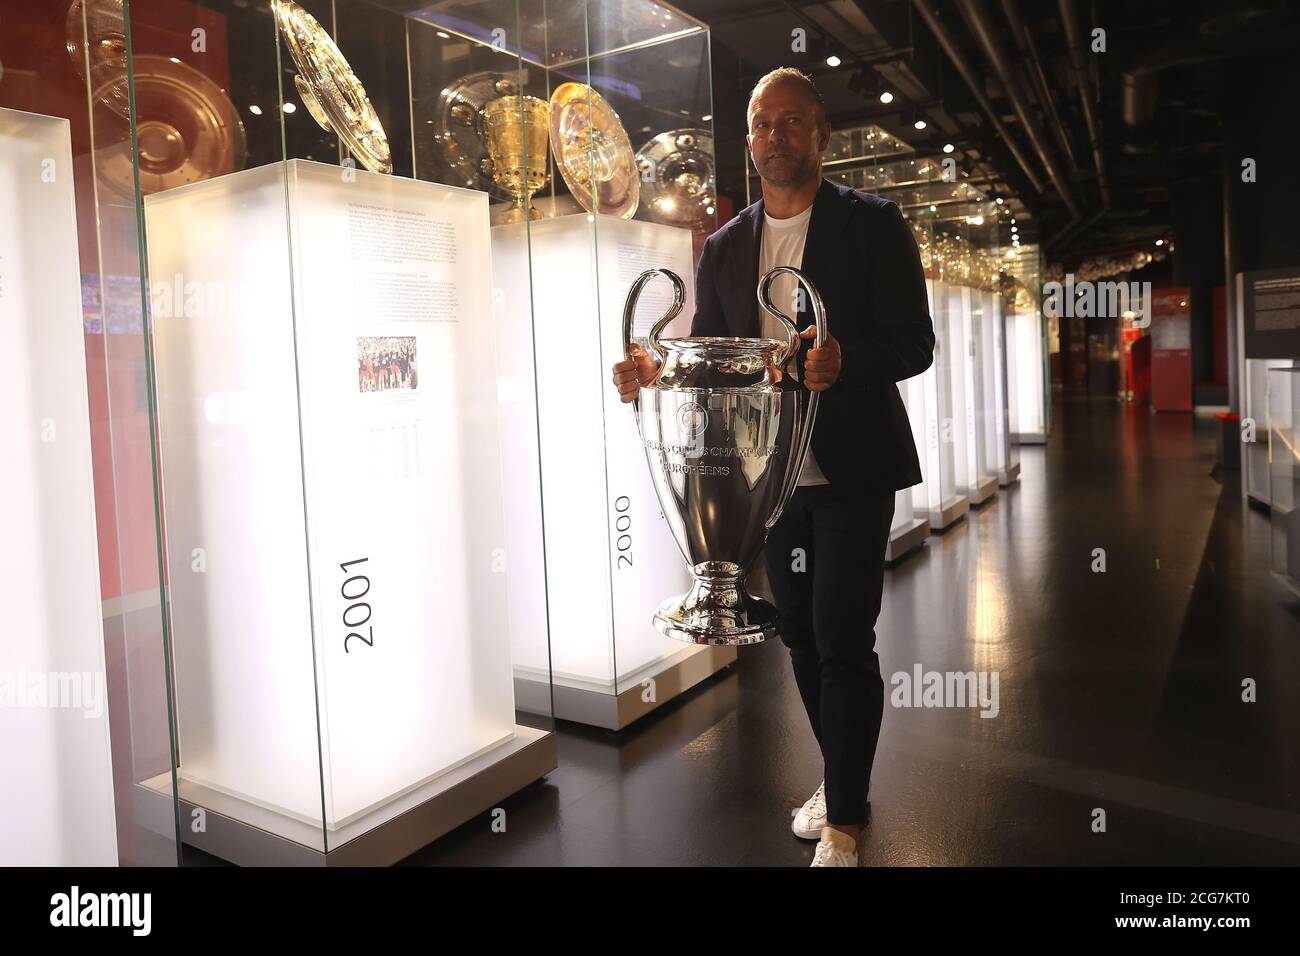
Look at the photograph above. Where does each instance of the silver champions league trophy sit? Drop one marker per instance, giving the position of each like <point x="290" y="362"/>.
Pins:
<point x="725" y="430"/>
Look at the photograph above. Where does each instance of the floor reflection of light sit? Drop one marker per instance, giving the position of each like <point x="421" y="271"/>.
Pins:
<point x="987" y="608"/>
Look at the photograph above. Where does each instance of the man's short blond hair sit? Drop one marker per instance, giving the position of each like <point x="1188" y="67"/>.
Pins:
<point x="786" y="74"/>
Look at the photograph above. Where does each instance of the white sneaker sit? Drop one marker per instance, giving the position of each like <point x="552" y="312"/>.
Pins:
<point x="835" y="849"/>
<point x="811" y="817"/>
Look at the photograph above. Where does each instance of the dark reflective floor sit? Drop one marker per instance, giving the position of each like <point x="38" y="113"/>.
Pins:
<point x="1118" y="690"/>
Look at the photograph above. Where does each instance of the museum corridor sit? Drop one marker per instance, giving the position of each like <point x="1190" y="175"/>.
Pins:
<point x="1119" y="690"/>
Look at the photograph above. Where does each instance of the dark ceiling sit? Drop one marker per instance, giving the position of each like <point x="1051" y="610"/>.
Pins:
<point x="1156" y="95"/>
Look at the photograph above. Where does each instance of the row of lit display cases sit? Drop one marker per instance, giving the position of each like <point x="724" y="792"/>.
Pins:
<point x="329" y="498"/>
<point x="986" y="393"/>
<point x="984" y="396"/>
<point x="320" y="481"/>
<point x="959" y="411"/>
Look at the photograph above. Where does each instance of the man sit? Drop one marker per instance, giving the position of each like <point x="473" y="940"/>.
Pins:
<point x="825" y="556"/>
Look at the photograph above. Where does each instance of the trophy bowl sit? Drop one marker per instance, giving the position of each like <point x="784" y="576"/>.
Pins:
<point x="725" y="431"/>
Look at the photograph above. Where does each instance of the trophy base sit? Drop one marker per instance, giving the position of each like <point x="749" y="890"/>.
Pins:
<point x="717" y="612"/>
<point x="520" y="214"/>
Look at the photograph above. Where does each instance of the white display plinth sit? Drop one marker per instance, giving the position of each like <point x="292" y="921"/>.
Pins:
<point x="982" y="357"/>
<point x="331" y="467"/>
<point x="56" y="804"/>
<point x="1026" y="378"/>
<point x="1256" y="464"/>
<point x="1005" y="463"/>
<point x="610" y="558"/>
<point x="936" y="498"/>
<point x="911" y="524"/>
<point x="963" y="406"/>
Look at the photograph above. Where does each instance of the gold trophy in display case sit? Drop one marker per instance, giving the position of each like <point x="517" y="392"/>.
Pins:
<point x="330" y="90"/>
<point x="516" y="129"/>
<point x="593" y="151"/>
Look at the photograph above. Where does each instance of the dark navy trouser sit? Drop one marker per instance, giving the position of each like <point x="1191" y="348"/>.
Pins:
<point x="828" y="619"/>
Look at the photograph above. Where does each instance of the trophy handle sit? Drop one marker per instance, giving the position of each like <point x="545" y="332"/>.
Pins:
<point x="629" y="311"/>
<point x="803" y="436"/>
<point x="791" y="332"/>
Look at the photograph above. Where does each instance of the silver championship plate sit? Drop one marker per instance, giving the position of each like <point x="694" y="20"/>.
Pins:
<point x="725" y="429"/>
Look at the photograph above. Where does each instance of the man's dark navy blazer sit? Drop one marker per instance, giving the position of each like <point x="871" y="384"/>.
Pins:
<point x="862" y="258"/>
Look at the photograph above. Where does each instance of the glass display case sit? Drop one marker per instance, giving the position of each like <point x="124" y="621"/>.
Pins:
<point x="350" y="276"/>
<point x="1006" y="460"/>
<point x="963" y="223"/>
<point x="990" y="351"/>
<point x="1257" y="400"/>
<point x="625" y="182"/>
<point x="916" y="184"/>
<point x="1283" y="450"/>
<point x="387" y="247"/>
<point x="83" y="663"/>
<point x="1028" y="368"/>
<point x="343" y="349"/>
<point x="872" y="160"/>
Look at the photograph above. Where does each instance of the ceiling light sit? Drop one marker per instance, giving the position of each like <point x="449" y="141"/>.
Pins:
<point x="832" y="60"/>
<point x="255" y="110"/>
<point x="948" y="148"/>
<point x="919" y="124"/>
<point x="1160" y="242"/>
<point x="886" y="97"/>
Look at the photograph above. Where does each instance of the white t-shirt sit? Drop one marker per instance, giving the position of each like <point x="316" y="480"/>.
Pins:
<point x="782" y="245"/>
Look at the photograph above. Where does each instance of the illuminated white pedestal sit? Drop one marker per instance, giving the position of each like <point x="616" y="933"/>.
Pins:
<point x="937" y="498"/>
<point x="911" y="524"/>
<point x="1284" y="518"/>
<point x="1027" y="378"/>
<point x="332" y="475"/>
<point x="1007" y="458"/>
<point x="610" y="558"/>
<point x="908" y="532"/>
<point x="56" y="804"/>
<point x="1256" y="402"/>
<point x="966" y="311"/>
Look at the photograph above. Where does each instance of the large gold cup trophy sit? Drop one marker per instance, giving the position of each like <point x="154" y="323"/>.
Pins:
<point x="517" y="129"/>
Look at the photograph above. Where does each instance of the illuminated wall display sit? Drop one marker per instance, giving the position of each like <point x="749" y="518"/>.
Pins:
<point x="332" y="477"/>
<point x="56" y="805"/>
